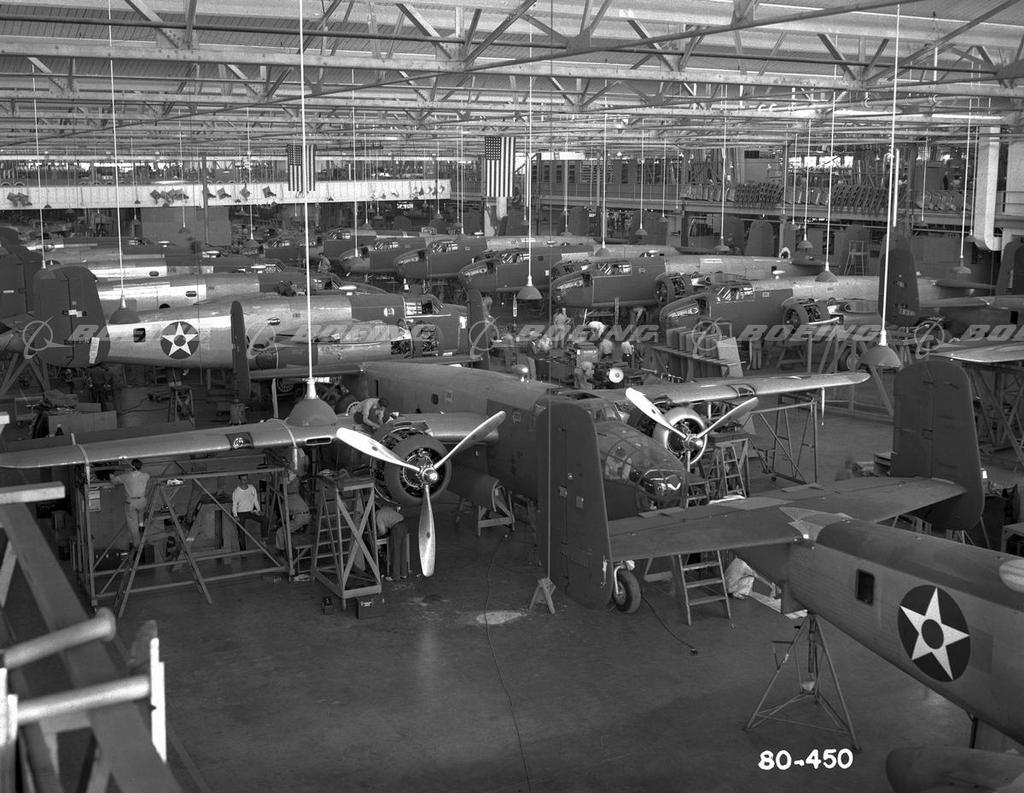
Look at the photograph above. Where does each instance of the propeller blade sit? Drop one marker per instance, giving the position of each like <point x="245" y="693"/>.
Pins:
<point x="428" y="541"/>
<point x="362" y="442"/>
<point x="743" y="407"/>
<point x="649" y="409"/>
<point x="474" y="436"/>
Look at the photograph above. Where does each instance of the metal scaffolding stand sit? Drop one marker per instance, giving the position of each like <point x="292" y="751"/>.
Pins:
<point x="345" y="544"/>
<point x="999" y="396"/>
<point x="787" y="439"/>
<point x="810" y="679"/>
<point x="178" y="498"/>
<point x="18" y="364"/>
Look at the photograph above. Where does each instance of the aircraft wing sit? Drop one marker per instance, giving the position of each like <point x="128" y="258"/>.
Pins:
<point x="983" y="352"/>
<point x="351" y="367"/>
<point x="721" y="388"/>
<point x="67" y="450"/>
<point x="952" y="283"/>
<point x="779" y="516"/>
<point x="448" y="428"/>
<point x="1008" y="302"/>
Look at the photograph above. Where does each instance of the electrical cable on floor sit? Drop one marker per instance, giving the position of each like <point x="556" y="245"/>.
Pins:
<point x="497" y="667"/>
<point x="138" y="405"/>
<point x="672" y="633"/>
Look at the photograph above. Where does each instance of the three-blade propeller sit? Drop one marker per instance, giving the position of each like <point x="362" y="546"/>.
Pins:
<point x="692" y="441"/>
<point x="427" y="474"/>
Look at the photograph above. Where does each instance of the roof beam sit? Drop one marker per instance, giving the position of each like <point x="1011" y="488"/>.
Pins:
<point x="504" y="25"/>
<point x="173" y="37"/>
<point x="421" y="23"/>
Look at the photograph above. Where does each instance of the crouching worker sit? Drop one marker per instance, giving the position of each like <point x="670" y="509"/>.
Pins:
<point x="391" y="524"/>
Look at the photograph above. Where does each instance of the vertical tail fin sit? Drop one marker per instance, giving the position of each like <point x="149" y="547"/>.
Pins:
<point x="18" y="268"/>
<point x="760" y="239"/>
<point x="572" y="522"/>
<point x="934" y="436"/>
<point x="902" y="304"/>
<point x="239" y="353"/>
<point x="67" y="306"/>
<point x="1010" y="280"/>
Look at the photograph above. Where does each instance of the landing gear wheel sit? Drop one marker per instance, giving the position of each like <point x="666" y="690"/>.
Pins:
<point x="626" y="596"/>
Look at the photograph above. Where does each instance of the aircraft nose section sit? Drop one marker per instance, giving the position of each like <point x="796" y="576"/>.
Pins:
<point x="922" y="768"/>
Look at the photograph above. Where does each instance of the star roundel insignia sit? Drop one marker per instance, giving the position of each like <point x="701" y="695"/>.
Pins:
<point x="934" y="633"/>
<point x="179" y="340"/>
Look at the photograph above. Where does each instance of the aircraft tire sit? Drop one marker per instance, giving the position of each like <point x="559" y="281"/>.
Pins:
<point x="628" y="601"/>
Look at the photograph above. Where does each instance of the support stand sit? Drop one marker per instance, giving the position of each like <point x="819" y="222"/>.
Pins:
<point x="18" y="365"/>
<point x="542" y="594"/>
<point x="180" y="406"/>
<point x="809" y="680"/>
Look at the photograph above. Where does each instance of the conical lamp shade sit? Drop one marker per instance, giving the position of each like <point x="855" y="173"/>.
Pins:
<point x="529" y="292"/>
<point x="882" y="356"/>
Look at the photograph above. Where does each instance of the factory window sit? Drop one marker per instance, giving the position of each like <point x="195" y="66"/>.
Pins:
<point x="865" y="587"/>
<point x="434" y="400"/>
<point x="138" y="335"/>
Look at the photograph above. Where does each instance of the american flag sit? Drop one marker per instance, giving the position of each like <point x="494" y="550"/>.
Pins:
<point x="499" y="162"/>
<point x="296" y="166"/>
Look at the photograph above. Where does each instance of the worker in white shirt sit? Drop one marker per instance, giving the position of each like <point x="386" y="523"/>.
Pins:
<point x="134" y="483"/>
<point x="245" y="508"/>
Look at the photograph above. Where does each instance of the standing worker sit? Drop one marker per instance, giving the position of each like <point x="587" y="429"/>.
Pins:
<point x="134" y="483"/>
<point x="245" y="508"/>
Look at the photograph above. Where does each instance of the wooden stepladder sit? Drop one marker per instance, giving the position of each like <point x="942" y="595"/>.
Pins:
<point x="345" y="544"/>
<point x="700" y="580"/>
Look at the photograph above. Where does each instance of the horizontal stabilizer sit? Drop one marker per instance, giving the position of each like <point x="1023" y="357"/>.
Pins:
<point x="770" y="518"/>
<point x="981" y="352"/>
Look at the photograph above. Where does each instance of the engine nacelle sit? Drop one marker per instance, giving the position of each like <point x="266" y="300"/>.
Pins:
<point x="416" y="448"/>
<point x="672" y="286"/>
<point x="686" y="419"/>
<point x="278" y="356"/>
<point x="797" y="312"/>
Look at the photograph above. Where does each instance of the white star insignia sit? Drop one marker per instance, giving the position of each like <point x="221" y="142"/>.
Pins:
<point x="179" y="339"/>
<point x="949" y="635"/>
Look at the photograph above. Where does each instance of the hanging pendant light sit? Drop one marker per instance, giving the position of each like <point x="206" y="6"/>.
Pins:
<point x="529" y="291"/>
<point x="882" y="356"/>
<point x="721" y="247"/>
<point x="826" y="275"/>
<point x="122" y="315"/>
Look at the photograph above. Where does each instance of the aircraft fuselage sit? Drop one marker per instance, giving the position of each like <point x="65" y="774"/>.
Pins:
<point x="638" y="471"/>
<point x="938" y="610"/>
<point x="200" y="337"/>
<point x="632" y="282"/>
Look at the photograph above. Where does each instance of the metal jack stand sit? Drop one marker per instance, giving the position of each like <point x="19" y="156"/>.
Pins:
<point x="542" y="594"/>
<point x="809" y="680"/>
